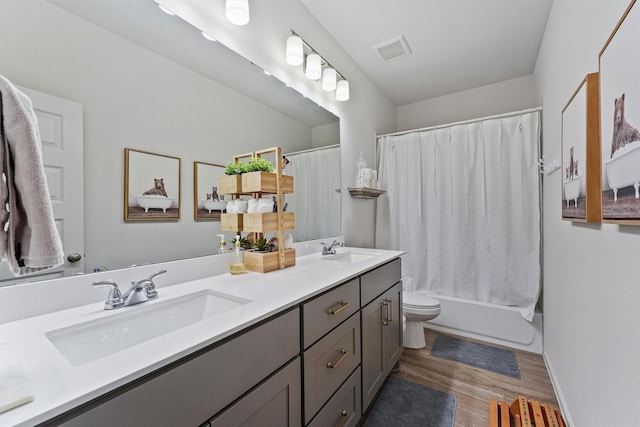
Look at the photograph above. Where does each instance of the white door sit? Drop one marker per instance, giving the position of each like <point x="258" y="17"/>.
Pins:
<point x="60" y="123"/>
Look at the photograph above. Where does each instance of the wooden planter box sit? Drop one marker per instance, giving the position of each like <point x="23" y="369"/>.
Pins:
<point x="265" y="182"/>
<point x="231" y="222"/>
<point x="230" y="184"/>
<point x="263" y="222"/>
<point x="264" y="262"/>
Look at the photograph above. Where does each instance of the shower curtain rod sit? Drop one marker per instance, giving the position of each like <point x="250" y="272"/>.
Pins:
<point x="463" y="122"/>
<point x="326" y="147"/>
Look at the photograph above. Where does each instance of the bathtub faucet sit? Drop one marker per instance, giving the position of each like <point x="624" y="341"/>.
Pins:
<point x="331" y="249"/>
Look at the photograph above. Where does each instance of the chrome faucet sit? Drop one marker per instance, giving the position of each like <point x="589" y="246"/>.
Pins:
<point x="140" y="291"/>
<point x="330" y="249"/>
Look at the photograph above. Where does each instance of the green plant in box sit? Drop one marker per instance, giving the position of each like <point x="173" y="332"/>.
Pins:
<point x="261" y="244"/>
<point x="259" y="164"/>
<point x="236" y="168"/>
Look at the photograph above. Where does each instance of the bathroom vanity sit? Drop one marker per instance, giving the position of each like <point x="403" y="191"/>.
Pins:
<point x="309" y="345"/>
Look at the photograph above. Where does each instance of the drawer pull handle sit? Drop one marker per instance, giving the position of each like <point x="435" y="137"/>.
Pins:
<point x="343" y="354"/>
<point x="344" y="419"/>
<point x="341" y="306"/>
<point x="390" y="311"/>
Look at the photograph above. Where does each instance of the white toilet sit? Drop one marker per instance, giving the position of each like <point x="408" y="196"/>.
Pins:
<point x="417" y="308"/>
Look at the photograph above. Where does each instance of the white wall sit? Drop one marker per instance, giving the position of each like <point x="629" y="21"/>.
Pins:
<point x="324" y="135"/>
<point x="591" y="272"/>
<point x="135" y="98"/>
<point x="503" y="97"/>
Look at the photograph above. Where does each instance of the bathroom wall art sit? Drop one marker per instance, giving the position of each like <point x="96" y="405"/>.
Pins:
<point x="620" y="121"/>
<point x="208" y="204"/>
<point x="151" y="186"/>
<point x="581" y="188"/>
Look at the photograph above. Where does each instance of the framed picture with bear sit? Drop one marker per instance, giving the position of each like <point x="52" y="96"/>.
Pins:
<point x="581" y="189"/>
<point x="619" y="62"/>
<point x="208" y="204"/>
<point x="151" y="186"/>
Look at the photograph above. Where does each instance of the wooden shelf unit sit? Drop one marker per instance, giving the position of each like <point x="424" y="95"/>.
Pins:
<point x="257" y="184"/>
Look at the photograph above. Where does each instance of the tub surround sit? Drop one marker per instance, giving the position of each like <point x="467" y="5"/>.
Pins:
<point x="59" y="387"/>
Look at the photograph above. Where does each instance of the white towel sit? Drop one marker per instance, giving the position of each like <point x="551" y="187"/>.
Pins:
<point x="28" y="234"/>
<point x="15" y="388"/>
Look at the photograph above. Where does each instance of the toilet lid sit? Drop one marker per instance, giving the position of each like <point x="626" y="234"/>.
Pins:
<point x="411" y="299"/>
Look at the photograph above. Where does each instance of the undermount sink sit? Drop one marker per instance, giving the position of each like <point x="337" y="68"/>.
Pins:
<point x="89" y="341"/>
<point x="352" y="257"/>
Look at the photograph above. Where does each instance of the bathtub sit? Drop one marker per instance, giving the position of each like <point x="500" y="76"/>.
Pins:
<point x="488" y="322"/>
<point x="212" y="205"/>
<point x="572" y="190"/>
<point x="623" y="169"/>
<point x="154" y="202"/>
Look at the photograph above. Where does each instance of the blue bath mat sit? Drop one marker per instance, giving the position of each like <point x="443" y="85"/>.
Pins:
<point x="407" y="404"/>
<point x="481" y="356"/>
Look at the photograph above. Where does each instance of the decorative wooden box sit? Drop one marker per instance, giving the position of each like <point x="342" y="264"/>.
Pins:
<point x="230" y="184"/>
<point x="264" y="262"/>
<point x="264" y="222"/>
<point x="231" y="222"/>
<point x="265" y="182"/>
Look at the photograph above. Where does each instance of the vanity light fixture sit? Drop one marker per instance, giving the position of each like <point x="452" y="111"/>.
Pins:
<point x="315" y="66"/>
<point x="294" y="52"/>
<point x="237" y="11"/>
<point x="342" y="90"/>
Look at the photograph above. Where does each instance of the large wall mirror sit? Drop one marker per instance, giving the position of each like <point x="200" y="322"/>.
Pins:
<point x="149" y="81"/>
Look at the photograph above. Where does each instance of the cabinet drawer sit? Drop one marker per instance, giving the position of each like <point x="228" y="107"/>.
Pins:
<point x="343" y="409"/>
<point x="379" y="280"/>
<point x="329" y="362"/>
<point x="275" y="403"/>
<point x="193" y="391"/>
<point x="329" y="310"/>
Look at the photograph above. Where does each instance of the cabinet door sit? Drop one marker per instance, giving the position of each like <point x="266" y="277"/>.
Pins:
<point x="274" y="403"/>
<point x="392" y="322"/>
<point x="373" y="364"/>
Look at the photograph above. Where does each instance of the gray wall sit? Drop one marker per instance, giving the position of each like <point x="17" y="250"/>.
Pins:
<point x="591" y="290"/>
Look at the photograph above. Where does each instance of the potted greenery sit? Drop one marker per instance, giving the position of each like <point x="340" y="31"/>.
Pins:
<point x="258" y="164"/>
<point x="231" y="182"/>
<point x="262" y="179"/>
<point x="261" y="245"/>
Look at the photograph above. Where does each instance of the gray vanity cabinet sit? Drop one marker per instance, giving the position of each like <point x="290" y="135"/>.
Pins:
<point x="190" y="392"/>
<point x="275" y="403"/>
<point x="381" y="327"/>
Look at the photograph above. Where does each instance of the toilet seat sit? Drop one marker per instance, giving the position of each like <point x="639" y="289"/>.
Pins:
<point x="418" y="301"/>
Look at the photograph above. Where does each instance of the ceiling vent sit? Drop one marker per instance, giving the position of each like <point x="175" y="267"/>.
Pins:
<point x="392" y="49"/>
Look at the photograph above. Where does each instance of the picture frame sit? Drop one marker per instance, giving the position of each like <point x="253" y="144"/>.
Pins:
<point x="208" y="203"/>
<point x="619" y="68"/>
<point x="151" y="186"/>
<point x="581" y="186"/>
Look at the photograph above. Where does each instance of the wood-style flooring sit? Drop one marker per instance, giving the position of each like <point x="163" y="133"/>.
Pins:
<point x="474" y="387"/>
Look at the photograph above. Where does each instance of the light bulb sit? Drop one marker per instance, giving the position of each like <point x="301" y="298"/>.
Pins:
<point x="294" y="51"/>
<point x="237" y="11"/>
<point x="329" y="77"/>
<point x="342" y="90"/>
<point x="314" y="68"/>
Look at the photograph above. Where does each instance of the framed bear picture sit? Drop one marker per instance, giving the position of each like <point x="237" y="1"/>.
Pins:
<point x="581" y="189"/>
<point x="619" y="62"/>
<point x="151" y="186"/>
<point x="208" y="204"/>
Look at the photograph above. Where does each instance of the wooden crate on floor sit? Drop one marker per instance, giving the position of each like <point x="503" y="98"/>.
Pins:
<point x="524" y="412"/>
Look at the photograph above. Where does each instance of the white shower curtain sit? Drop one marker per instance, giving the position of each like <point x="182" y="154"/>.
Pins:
<point x="316" y="204"/>
<point x="463" y="201"/>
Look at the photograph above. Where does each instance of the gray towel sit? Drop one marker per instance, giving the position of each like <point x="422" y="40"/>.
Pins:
<point x="28" y="235"/>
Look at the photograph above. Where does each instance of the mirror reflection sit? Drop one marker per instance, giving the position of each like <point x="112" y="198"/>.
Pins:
<point x="133" y="77"/>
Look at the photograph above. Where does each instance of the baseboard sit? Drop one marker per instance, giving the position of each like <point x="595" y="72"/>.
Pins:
<point x="558" y="391"/>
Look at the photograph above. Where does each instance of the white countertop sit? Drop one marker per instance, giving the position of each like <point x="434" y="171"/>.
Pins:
<point x="58" y="386"/>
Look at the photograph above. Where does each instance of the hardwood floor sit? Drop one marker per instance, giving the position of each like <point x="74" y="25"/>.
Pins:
<point x="474" y="387"/>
